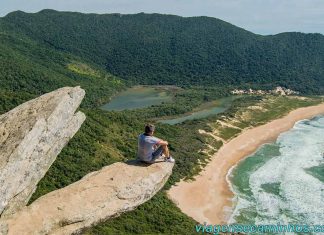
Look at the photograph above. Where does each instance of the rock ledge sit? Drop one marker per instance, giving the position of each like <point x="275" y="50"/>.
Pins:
<point x="98" y="196"/>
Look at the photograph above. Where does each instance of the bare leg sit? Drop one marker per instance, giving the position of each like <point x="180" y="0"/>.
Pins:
<point x="166" y="151"/>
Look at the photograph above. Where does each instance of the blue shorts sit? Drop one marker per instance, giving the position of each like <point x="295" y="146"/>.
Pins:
<point x="157" y="153"/>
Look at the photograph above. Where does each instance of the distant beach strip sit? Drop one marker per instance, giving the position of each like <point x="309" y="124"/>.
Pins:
<point x="209" y="199"/>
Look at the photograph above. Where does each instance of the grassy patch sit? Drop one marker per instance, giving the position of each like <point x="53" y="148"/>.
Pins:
<point x="228" y="132"/>
<point x="83" y="69"/>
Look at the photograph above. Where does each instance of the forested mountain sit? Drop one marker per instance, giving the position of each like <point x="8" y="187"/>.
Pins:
<point x="105" y="53"/>
<point x="166" y="49"/>
<point x="29" y="68"/>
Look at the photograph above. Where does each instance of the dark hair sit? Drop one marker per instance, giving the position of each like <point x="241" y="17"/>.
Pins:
<point x="149" y="128"/>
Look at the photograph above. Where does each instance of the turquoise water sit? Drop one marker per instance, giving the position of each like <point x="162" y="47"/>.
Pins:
<point x="220" y="106"/>
<point x="137" y="97"/>
<point x="283" y="182"/>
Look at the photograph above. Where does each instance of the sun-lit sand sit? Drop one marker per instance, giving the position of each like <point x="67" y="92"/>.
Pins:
<point x="208" y="198"/>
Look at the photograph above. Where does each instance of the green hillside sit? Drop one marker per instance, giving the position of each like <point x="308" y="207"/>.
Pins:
<point x="28" y="69"/>
<point x="107" y="53"/>
<point x="166" y="49"/>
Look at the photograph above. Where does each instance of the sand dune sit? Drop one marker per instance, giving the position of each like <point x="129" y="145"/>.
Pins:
<point x="208" y="198"/>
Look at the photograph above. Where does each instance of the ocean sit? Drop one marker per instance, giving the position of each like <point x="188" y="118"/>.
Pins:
<point x="282" y="182"/>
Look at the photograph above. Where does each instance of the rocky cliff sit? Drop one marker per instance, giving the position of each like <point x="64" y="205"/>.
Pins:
<point x="31" y="136"/>
<point x="98" y="196"/>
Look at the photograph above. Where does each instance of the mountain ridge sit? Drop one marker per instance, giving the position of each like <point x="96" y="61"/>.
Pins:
<point x="48" y="10"/>
<point x="167" y="49"/>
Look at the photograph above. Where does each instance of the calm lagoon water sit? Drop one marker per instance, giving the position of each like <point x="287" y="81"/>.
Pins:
<point x="137" y="97"/>
<point x="142" y="97"/>
<point x="218" y="106"/>
<point x="283" y="182"/>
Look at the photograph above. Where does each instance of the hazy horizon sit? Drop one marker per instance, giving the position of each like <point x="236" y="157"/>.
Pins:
<point x="261" y="17"/>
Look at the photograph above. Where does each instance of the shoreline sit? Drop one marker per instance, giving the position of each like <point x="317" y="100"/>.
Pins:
<point x="209" y="198"/>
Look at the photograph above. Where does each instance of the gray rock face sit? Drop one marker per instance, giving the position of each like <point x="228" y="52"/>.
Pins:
<point x="98" y="196"/>
<point x="31" y="136"/>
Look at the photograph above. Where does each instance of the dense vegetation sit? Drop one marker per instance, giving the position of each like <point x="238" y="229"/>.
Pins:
<point x="166" y="49"/>
<point x="106" y="53"/>
<point x="28" y="69"/>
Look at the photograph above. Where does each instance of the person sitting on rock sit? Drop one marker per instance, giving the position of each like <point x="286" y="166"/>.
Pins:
<point x="151" y="148"/>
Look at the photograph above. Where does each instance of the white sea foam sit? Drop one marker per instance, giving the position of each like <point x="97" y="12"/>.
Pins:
<point x="301" y="195"/>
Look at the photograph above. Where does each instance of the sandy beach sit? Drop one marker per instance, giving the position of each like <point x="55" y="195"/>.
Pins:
<point x="208" y="198"/>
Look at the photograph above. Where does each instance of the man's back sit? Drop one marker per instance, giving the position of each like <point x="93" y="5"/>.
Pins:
<point x="146" y="145"/>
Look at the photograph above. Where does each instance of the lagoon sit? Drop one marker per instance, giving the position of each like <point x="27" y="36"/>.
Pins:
<point x="205" y="110"/>
<point x="138" y="97"/>
<point x="145" y="96"/>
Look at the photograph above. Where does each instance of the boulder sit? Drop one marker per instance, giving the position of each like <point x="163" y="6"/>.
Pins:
<point x="31" y="136"/>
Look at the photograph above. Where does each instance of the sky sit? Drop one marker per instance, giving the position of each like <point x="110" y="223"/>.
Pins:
<point x="259" y="16"/>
